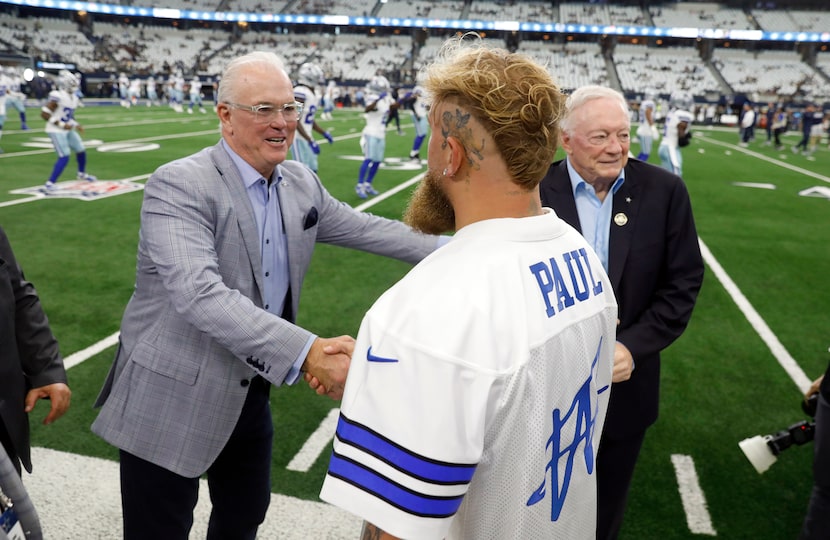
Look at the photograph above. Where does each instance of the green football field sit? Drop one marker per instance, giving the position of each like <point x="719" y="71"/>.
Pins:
<point x="758" y="334"/>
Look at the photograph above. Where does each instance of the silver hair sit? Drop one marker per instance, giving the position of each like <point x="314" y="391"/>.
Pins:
<point x="228" y="86"/>
<point x="583" y="95"/>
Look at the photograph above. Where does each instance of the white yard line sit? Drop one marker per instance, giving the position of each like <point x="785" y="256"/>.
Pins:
<point x="316" y="444"/>
<point x="758" y="324"/>
<point x="766" y="158"/>
<point x="694" y="502"/>
<point x="74" y="359"/>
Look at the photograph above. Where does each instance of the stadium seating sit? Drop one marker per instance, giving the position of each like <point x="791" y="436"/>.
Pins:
<point x="139" y="46"/>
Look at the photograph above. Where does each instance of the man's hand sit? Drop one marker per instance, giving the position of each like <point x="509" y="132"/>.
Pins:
<point x="623" y="363"/>
<point x="814" y="388"/>
<point x="327" y="365"/>
<point x="57" y="393"/>
<point x="314" y="147"/>
<point x="328" y="137"/>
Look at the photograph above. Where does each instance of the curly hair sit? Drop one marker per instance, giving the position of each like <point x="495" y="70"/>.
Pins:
<point x="513" y="97"/>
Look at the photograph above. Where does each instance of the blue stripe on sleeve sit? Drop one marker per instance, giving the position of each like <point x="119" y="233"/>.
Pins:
<point x="393" y="493"/>
<point x="422" y="468"/>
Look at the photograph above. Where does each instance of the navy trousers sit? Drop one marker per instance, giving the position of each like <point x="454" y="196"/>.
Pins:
<point x="158" y="503"/>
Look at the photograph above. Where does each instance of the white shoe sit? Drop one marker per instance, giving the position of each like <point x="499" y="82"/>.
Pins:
<point x="47" y="187"/>
<point x="369" y="189"/>
<point x="87" y="177"/>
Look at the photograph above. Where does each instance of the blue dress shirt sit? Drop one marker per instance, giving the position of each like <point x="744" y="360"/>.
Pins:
<point x="594" y="215"/>
<point x="273" y="244"/>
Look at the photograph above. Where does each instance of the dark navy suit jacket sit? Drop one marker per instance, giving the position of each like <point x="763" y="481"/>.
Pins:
<point x="656" y="271"/>
<point x="29" y="355"/>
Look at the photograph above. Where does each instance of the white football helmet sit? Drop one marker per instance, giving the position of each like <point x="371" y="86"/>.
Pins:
<point x="378" y="85"/>
<point x="310" y="75"/>
<point x="681" y="99"/>
<point x="67" y="81"/>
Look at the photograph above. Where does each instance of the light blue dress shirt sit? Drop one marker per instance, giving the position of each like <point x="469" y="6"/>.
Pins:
<point x="272" y="242"/>
<point x="594" y="215"/>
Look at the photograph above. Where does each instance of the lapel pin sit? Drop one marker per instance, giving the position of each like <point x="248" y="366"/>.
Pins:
<point x="620" y="219"/>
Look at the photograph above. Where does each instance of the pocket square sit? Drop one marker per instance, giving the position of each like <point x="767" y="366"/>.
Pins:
<point x="310" y="219"/>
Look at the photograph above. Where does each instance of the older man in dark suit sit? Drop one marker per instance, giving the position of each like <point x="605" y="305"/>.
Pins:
<point x="31" y="366"/>
<point x="638" y="218"/>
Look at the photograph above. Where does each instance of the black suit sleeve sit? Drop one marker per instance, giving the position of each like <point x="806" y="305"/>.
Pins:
<point x="661" y="314"/>
<point x="37" y="347"/>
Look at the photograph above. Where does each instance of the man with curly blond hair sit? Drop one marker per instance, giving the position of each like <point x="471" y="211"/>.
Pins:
<point x="478" y="384"/>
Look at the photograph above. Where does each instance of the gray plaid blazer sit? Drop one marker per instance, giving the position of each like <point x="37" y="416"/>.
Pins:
<point x="194" y="331"/>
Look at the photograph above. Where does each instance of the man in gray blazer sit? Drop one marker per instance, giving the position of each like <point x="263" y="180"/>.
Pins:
<point x="226" y="237"/>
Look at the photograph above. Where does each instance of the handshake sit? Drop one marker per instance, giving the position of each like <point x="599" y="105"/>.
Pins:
<point x="327" y="364"/>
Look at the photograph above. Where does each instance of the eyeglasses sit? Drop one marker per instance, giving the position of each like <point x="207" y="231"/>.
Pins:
<point x="265" y="114"/>
<point x="602" y="139"/>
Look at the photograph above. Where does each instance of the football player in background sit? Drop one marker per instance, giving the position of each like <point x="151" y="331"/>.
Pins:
<point x="152" y="93"/>
<point x="373" y="138"/>
<point x="329" y="97"/>
<point x="415" y="101"/>
<point x="15" y="98"/>
<point x="677" y="133"/>
<point x="647" y="131"/>
<point x="196" y="95"/>
<point x="63" y="129"/>
<point x="123" y="88"/>
<point x="176" y="95"/>
<point x="305" y="149"/>
<point x="134" y="91"/>
<point x="393" y="113"/>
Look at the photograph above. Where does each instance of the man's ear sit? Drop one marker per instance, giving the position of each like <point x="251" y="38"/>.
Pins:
<point x="565" y="141"/>
<point x="456" y="157"/>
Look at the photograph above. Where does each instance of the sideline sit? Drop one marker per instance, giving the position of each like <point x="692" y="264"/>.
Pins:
<point x="766" y="158"/>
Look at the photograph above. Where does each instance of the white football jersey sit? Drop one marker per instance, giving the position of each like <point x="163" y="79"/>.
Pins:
<point x="376" y="119"/>
<point x="646" y="105"/>
<point x="420" y="106"/>
<point x="310" y="100"/>
<point x="64" y="112"/>
<point x="195" y="87"/>
<point x="674" y="118"/>
<point x="478" y="390"/>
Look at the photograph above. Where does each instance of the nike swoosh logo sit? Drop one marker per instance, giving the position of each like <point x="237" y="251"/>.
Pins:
<point x="373" y="358"/>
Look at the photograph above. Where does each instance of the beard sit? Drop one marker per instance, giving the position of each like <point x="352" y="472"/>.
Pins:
<point x="429" y="210"/>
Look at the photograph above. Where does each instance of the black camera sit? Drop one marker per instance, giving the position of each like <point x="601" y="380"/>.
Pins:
<point x="762" y="451"/>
